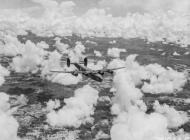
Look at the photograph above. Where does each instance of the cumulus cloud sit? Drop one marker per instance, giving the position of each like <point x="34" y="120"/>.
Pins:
<point x="54" y="63"/>
<point x="164" y="81"/>
<point x="131" y="121"/>
<point x="101" y="135"/>
<point x="174" y="117"/>
<point x="59" y="19"/>
<point x="12" y="46"/>
<point x="77" y="53"/>
<point x="98" y="65"/>
<point x="63" y="48"/>
<point x="97" y="53"/>
<point x="42" y="45"/>
<point x="176" y="54"/>
<point x="78" y="109"/>
<point x="8" y="125"/>
<point x="74" y="54"/>
<point x="136" y="125"/>
<point x="155" y="27"/>
<point x="115" y="52"/>
<point x="3" y="72"/>
<point x="30" y="58"/>
<point x="124" y="85"/>
<point x="157" y="78"/>
<point x="52" y="105"/>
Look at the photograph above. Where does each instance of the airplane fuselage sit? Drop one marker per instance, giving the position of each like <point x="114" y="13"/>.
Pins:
<point x="95" y="76"/>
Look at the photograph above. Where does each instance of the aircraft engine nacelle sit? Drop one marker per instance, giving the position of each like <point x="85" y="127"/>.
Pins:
<point x="68" y="62"/>
<point x="102" y="73"/>
<point x="110" y="71"/>
<point x="85" y="61"/>
<point x="75" y="73"/>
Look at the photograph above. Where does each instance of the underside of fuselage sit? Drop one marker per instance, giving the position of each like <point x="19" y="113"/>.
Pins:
<point x="94" y="76"/>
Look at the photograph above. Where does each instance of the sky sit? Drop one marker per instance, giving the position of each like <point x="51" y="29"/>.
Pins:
<point x="114" y="7"/>
<point x="81" y="5"/>
<point x="15" y="4"/>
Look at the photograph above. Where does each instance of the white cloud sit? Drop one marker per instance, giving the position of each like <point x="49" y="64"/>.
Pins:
<point x="174" y="117"/>
<point x="160" y="79"/>
<point x="3" y="72"/>
<point x="52" y="105"/>
<point x="166" y="81"/>
<point x="136" y="125"/>
<point x="115" y="52"/>
<point x="60" y="20"/>
<point x="77" y="53"/>
<point x="31" y="57"/>
<point x="97" y="53"/>
<point x="62" y="47"/>
<point x="98" y="65"/>
<point x="8" y="124"/>
<point x="12" y="46"/>
<point x="132" y="122"/>
<point x="176" y="54"/>
<point x="101" y="135"/>
<point x="78" y="109"/>
<point x="42" y="45"/>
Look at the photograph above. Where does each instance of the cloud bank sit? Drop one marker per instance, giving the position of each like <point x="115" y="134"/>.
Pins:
<point x="122" y="7"/>
<point x="8" y="124"/>
<point x="78" y="109"/>
<point x="58" y="18"/>
<point x="131" y="121"/>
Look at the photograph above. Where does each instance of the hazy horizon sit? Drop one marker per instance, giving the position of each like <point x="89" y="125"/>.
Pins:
<point x="114" y="7"/>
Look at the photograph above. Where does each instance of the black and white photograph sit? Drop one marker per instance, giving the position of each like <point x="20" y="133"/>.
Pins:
<point x="94" y="69"/>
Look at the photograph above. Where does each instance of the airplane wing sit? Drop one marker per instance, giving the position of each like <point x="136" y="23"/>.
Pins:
<point x="74" y="71"/>
<point x="89" y="71"/>
<point x="116" y="68"/>
<point x="61" y="71"/>
<point x="107" y="70"/>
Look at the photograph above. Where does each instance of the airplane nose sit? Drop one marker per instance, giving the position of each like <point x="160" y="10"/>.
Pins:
<point x="100" y="79"/>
